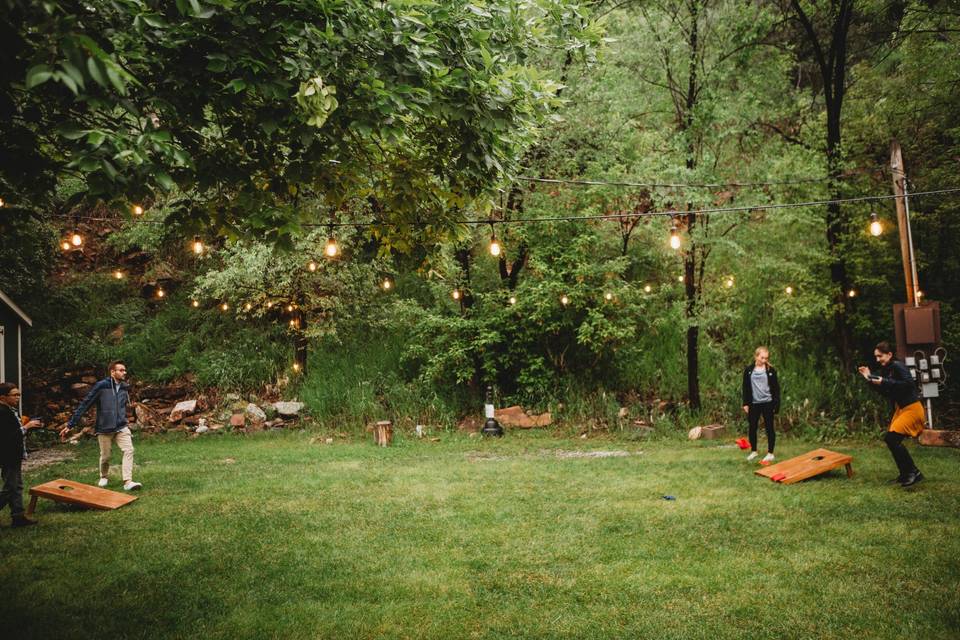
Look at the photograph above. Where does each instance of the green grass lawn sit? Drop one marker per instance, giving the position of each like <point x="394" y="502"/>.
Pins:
<point x="278" y="536"/>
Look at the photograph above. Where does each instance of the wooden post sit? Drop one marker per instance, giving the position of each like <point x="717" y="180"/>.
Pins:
<point x="899" y="190"/>
<point x="383" y="433"/>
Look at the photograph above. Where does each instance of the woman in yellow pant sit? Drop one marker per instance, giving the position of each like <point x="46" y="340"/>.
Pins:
<point x="894" y="381"/>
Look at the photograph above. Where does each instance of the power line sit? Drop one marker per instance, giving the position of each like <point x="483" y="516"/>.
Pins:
<point x="600" y="216"/>
<point x="666" y="185"/>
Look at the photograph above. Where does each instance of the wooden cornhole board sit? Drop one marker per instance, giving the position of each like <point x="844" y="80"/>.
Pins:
<point x="808" y="465"/>
<point x="72" y="492"/>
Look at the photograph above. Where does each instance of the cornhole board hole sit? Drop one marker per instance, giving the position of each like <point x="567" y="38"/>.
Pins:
<point x="71" y="492"/>
<point x="806" y="466"/>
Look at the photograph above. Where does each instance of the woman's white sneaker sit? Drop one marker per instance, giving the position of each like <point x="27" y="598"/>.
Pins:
<point x="767" y="458"/>
<point x="102" y="482"/>
<point x="752" y="456"/>
<point x="130" y="485"/>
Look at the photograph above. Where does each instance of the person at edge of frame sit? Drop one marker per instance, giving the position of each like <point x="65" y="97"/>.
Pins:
<point x="13" y="452"/>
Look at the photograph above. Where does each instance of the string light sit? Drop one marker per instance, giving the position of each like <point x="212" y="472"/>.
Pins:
<point x="270" y="305"/>
<point x="852" y="293"/>
<point x="296" y="367"/>
<point x="76" y="239"/>
<point x="674" y="237"/>
<point x="512" y="300"/>
<point x="289" y="307"/>
<point x="680" y="278"/>
<point x="728" y="283"/>
<point x="65" y="245"/>
<point x="247" y="307"/>
<point x="455" y="294"/>
<point x="387" y="284"/>
<point x="331" y="250"/>
<point x="789" y="290"/>
<point x="494" y="243"/>
<point x="647" y="289"/>
<point x="118" y="274"/>
<point x="224" y="307"/>
<point x="293" y="323"/>
<point x="876" y="228"/>
<point x="2" y="203"/>
<point x="137" y="210"/>
<point x="564" y="300"/>
<point x="919" y="294"/>
<point x="161" y="292"/>
<point x="197" y="245"/>
<point x="312" y="266"/>
<point x="608" y="296"/>
<point x="195" y="303"/>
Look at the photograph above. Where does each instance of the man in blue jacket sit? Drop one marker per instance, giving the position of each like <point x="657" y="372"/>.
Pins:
<point x="111" y="397"/>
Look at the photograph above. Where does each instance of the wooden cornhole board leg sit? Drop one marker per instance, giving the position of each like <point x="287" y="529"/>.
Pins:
<point x="70" y="492"/>
<point x="808" y="465"/>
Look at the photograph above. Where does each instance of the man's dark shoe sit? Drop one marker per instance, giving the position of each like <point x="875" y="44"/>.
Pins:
<point x="22" y="521"/>
<point x="912" y="479"/>
<point x="897" y="480"/>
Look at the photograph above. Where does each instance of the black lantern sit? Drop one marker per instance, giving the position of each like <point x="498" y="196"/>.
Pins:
<point x="491" y="427"/>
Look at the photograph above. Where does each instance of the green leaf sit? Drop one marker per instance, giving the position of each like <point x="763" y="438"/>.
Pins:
<point x="165" y="181"/>
<point x="37" y="75"/>
<point x="96" y="138"/>
<point x="96" y="71"/>
<point x="74" y="73"/>
<point x="116" y="80"/>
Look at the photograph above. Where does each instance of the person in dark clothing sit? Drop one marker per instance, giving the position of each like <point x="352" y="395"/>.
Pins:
<point x="893" y="381"/>
<point x="761" y="397"/>
<point x="13" y="452"/>
<point x="111" y="397"/>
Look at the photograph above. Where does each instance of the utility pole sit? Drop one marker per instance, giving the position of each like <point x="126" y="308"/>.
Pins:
<point x="902" y="200"/>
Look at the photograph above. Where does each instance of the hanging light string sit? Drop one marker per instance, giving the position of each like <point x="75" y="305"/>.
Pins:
<point x="670" y="213"/>
<point x="669" y="185"/>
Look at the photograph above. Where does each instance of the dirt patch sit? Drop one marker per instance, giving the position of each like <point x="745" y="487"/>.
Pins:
<point x="45" y="457"/>
<point x="593" y="454"/>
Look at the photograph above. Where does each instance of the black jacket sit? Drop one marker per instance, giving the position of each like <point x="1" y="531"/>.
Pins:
<point x="897" y="384"/>
<point x="11" y="437"/>
<point x="772" y="379"/>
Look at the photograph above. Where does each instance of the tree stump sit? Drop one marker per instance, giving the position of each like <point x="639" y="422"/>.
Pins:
<point x="383" y="433"/>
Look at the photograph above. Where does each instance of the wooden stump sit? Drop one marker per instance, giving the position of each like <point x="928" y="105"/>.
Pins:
<point x="383" y="433"/>
<point x="935" y="438"/>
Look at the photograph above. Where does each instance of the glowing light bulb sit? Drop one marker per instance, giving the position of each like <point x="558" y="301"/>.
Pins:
<point x="293" y="323"/>
<point x="331" y="249"/>
<point x="564" y="300"/>
<point x="674" y="237"/>
<point x="495" y="248"/>
<point x="137" y="210"/>
<point x="195" y="304"/>
<point x="224" y="307"/>
<point x="852" y="293"/>
<point x="247" y="307"/>
<point x="608" y="296"/>
<point x="118" y="274"/>
<point x="919" y="293"/>
<point x="512" y="300"/>
<point x="876" y="227"/>
<point x="197" y="245"/>
<point x="289" y="307"/>
<point x="455" y="294"/>
<point x="648" y="289"/>
<point x="161" y="292"/>
<point x="296" y="367"/>
<point x="728" y="283"/>
<point x="76" y="239"/>
<point x="2" y="203"/>
<point x="386" y="284"/>
<point x="312" y="266"/>
<point x="65" y="245"/>
<point x="270" y="305"/>
<point x="789" y="290"/>
<point x="680" y="278"/>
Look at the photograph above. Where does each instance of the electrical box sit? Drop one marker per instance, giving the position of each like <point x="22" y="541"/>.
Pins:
<point x="930" y="390"/>
<point x="921" y="324"/>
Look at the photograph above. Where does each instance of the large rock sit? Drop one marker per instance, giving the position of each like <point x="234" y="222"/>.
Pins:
<point x="255" y="413"/>
<point x="288" y="409"/>
<point x="516" y="417"/>
<point x="182" y="409"/>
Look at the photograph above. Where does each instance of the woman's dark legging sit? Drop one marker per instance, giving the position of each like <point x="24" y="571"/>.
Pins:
<point x="753" y="418"/>
<point x="900" y="454"/>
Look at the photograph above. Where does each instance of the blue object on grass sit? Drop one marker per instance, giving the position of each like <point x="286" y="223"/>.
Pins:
<point x="669" y="497"/>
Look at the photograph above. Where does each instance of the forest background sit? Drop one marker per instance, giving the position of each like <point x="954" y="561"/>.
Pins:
<point x="385" y="126"/>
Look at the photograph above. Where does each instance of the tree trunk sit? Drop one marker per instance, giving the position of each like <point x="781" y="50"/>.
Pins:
<point x="690" y="281"/>
<point x="300" y="338"/>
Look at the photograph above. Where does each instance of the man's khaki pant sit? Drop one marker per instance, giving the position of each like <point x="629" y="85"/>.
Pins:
<point x="125" y="442"/>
